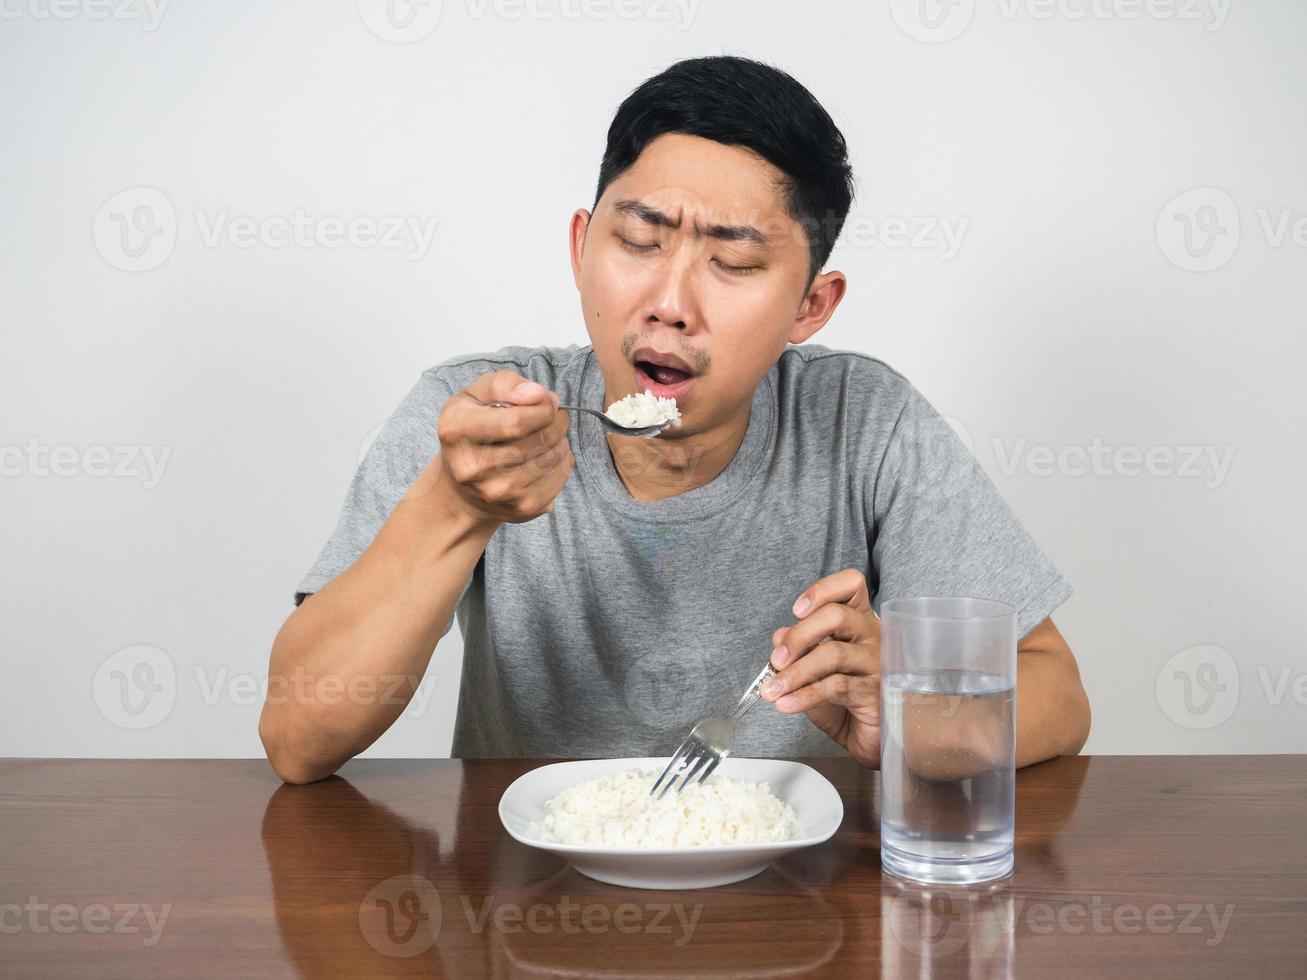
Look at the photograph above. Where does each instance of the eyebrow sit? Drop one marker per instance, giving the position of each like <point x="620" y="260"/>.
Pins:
<point x="728" y="233"/>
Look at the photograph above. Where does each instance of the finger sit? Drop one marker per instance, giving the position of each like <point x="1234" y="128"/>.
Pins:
<point x="835" y="621"/>
<point x="848" y="586"/>
<point x="842" y="690"/>
<point x="836" y="657"/>
<point x="779" y="638"/>
<point x="522" y="493"/>
<point x="471" y="461"/>
<point x="547" y="464"/>
<point x="508" y="386"/>
<point x="518" y="481"/>
<point x="484" y="425"/>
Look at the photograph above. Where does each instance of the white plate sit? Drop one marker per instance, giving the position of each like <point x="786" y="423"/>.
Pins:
<point x="814" y="799"/>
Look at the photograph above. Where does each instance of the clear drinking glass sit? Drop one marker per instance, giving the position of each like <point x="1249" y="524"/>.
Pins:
<point x="948" y="738"/>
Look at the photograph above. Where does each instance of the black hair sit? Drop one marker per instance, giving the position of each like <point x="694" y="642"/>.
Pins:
<point x="741" y="102"/>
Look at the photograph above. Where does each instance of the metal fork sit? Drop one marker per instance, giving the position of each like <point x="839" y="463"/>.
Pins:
<point x="710" y="741"/>
<point x="647" y="431"/>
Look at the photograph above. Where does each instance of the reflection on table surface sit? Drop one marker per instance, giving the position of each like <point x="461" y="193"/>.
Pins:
<point x="407" y="890"/>
<point x="1187" y="866"/>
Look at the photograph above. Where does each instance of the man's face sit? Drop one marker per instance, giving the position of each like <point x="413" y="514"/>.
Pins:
<point x="690" y="253"/>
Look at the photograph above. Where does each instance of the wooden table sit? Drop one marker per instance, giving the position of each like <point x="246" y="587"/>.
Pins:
<point x="1156" y="866"/>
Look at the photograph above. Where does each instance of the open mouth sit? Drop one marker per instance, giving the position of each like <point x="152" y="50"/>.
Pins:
<point x="665" y="382"/>
<point x="663" y="375"/>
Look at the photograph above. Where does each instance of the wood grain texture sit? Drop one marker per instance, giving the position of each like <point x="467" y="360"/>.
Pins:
<point x="1158" y="866"/>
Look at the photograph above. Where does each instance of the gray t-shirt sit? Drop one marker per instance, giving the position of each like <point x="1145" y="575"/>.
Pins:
<point x="611" y="625"/>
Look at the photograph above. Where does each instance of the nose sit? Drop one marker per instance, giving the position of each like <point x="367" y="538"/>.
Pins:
<point x="672" y="299"/>
<point x="662" y="314"/>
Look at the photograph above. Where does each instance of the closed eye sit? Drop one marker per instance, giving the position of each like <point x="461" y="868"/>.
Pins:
<point x="737" y="270"/>
<point x="635" y="246"/>
<point x="641" y="249"/>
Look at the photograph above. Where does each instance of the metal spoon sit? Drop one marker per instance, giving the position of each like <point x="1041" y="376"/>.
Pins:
<point x="647" y="431"/>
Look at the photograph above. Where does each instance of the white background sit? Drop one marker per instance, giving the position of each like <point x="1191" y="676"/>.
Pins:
<point x="1074" y="313"/>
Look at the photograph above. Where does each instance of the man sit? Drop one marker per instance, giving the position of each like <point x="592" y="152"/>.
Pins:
<point x="612" y="590"/>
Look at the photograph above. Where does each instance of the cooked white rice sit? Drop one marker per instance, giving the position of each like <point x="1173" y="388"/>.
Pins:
<point x="646" y="408"/>
<point x="617" y="811"/>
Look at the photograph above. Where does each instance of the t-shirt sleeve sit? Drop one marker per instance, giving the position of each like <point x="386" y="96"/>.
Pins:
<point x="940" y="526"/>
<point x="406" y="442"/>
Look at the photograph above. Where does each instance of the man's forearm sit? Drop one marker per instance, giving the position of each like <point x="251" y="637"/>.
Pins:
<point x="349" y="659"/>
<point x="1052" y="710"/>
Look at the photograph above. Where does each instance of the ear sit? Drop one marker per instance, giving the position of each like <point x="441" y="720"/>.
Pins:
<point x="818" y="305"/>
<point x="576" y="231"/>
